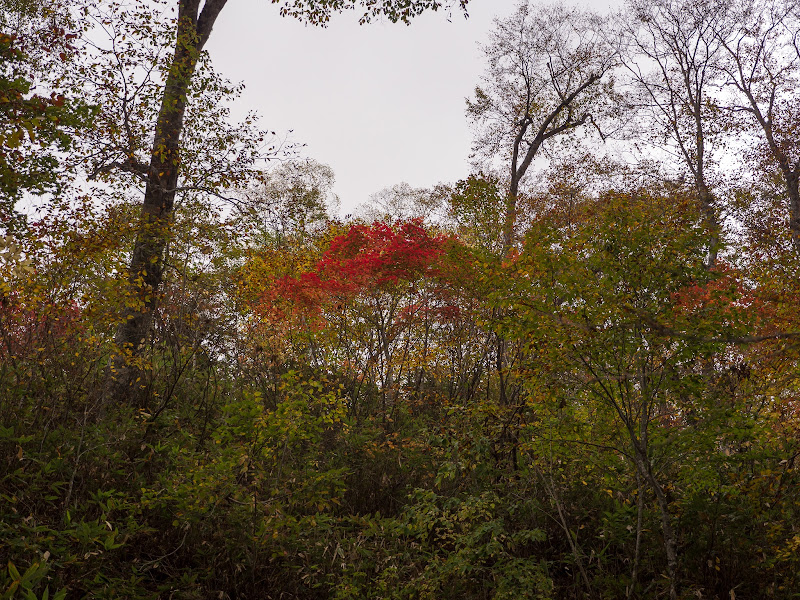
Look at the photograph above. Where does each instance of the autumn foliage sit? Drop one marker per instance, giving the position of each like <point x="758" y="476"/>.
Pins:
<point x="365" y="259"/>
<point x="578" y="383"/>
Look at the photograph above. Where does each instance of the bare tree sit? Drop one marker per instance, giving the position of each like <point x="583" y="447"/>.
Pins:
<point x="763" y="67"/>
<point x="673" y="55"/>
<point x="546" y="76"/>
<point x="403" y="202"/>
<point x="292" y="200"/>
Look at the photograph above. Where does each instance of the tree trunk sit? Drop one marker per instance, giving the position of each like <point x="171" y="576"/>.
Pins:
<point x="154" y="230"/>
<point x="630" y="589"/>
<point x="703" y="193"/>
<point x="712" y="223"/>
<point x="791" y="178"/>
<point x="510" y="220"/>
<point x="670" y="540"/>
<point x="789" y="171"/>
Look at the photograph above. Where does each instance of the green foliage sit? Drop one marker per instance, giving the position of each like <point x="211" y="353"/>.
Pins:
<point x="477" y="208"/>
<point x="34" y="129"/>
<point x="471" y="546"/>
<point x="16" y="585"/>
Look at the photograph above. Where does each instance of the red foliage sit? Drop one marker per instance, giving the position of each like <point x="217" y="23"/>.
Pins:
<point x="380" y="254"/>
<point x="30" y="326"/>
<point x="366" y="258"/>
<point x="725" y="295"/>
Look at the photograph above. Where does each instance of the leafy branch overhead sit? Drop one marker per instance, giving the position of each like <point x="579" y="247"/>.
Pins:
<point x="319" y="12"/>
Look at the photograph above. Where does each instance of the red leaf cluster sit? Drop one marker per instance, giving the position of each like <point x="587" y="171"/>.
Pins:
<point x="368" y="257"/>
<point x="723" y="295"/>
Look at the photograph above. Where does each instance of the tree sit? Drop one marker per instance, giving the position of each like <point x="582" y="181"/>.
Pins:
<point x="195" y="21"/>
<point x="124" y="61"/>
<point x="33" y="130"/>
<point x="547" y="70"/>
<point x="292" y="200"/>
<point x="372" y="303"/>
<point x="401" y="202"/>
<point x="763" y="66"/>
<point x="620" y="315"/>
<point x="475" y="211"/>
<point x="673" y="60"/>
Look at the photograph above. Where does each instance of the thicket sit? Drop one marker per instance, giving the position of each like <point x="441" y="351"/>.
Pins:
<point x="581" y="383"/>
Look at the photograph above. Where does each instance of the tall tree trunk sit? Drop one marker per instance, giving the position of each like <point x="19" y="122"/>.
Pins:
<point x="704" y="194"/>
<point x="790" y="172"/>
<point x="712" y="222"/>
<point x="154" y="230"/>
<point x="644" y="466"/>
<point x="670" y="540"/>
<point x="631" y="588"/>
<point x="791" y="178"/>
<point x="510" y="217"/>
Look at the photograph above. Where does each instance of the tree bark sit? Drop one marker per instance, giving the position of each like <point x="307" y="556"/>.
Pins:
<point x="792" y="179"/>
<point x="704" y="194"/>
<point x="789" y="172"/>
<point x="712" y="222"/>
<point x="154" y="229"/>
<point x="670" y="540"/>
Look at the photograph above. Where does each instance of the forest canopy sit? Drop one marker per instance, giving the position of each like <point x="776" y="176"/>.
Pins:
<point x="574" y="373"/>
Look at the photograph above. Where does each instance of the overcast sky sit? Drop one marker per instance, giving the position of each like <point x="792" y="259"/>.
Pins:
<point x="381" y="103"/>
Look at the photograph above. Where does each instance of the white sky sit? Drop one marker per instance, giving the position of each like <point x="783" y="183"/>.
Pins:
<point x="381" y="103"/>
